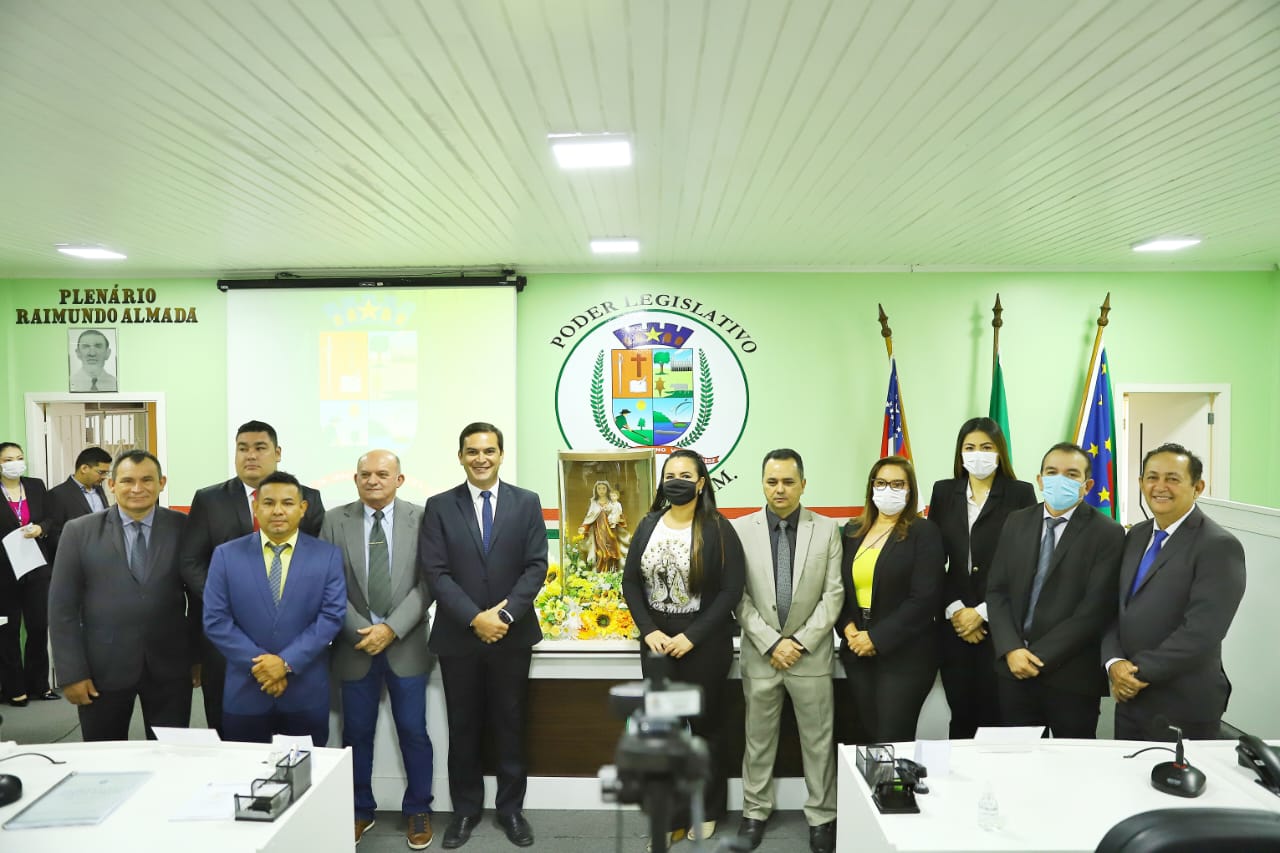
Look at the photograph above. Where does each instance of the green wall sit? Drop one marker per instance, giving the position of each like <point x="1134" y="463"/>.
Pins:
<point x="816" y="378"/>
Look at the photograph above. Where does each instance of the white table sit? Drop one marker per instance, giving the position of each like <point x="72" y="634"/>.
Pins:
<point x="1055" y="795"/>
<point x="320" y="820"/>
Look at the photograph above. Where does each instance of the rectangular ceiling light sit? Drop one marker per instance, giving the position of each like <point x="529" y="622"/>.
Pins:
<point x="1165" y="244"/>
<point x="591" y="150"/>
<point x="92" y="253"/>
<point x="615" y="246"/>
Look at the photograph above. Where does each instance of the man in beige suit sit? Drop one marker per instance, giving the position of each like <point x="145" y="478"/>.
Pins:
<point x="787" y="613"/>
<point x="384" y="637"/>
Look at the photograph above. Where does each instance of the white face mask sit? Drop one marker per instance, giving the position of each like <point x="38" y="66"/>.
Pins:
<point x="13" y="469"/>
<point x="889" y="501"/>
<point x="980" y="463"/>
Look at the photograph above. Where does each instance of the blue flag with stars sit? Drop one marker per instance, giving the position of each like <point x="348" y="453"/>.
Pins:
<point x="1098" y="438"/>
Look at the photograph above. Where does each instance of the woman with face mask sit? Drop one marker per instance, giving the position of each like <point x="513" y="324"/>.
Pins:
<point x="892" y="574"/>
<point x="23" y="676"/>
<point x="970" y="509"/>
<point x="683" y="577"/>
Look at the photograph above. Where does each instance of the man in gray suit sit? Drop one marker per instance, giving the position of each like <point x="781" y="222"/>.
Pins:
<point x="384" y="637"/>
<point x="118" y="608"/>
<point x="1181" y="581"/>
<point x="787" y="613"/>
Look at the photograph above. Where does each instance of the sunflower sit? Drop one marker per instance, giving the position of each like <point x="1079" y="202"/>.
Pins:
<point x="553" y="574"/>
<point x="597" y="623"/>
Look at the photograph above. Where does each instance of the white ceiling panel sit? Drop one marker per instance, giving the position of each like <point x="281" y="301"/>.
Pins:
<point x="236" y="136"/>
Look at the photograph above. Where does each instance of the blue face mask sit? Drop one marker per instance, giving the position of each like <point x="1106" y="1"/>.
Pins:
<point x="1061" y="492"/>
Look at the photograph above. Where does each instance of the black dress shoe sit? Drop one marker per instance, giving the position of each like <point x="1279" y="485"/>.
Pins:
<point x="822" y="839"/>
<point x="517" y="829"/>
<point x="459" y="830"/>
<point x="752" y="830"/>
<point x="19" y="703"/>
<point x="49" y="696"/>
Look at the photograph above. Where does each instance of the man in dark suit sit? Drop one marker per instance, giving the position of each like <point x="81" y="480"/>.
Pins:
<point x="483" y="551"/>
<point x="1050" y="596"/>
<point x="117" y="609"/>
<point x="224" y="511"/>
<point x="273" y="602"/>
<point x="80" y="494"/>
<point x="1181" y="580"/>
<point x="384" y="637"/>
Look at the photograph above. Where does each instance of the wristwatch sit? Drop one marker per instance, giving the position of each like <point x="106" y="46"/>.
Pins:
<point x="506" y="617"/>
<point x="288" y="670"/>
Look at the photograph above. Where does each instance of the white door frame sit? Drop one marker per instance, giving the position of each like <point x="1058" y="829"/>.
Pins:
<point x="1218" y="456"/>
<point x="34" y="448"/>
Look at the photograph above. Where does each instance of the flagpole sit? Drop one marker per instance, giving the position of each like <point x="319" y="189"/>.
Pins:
<point x="1104" y="310"/>
<point x="996" y="323"/>
<point x="887" y="334"/>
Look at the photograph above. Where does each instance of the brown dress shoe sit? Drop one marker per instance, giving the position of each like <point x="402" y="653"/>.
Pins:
<point x="418" y="833"/>
<point x="362" y="826"/>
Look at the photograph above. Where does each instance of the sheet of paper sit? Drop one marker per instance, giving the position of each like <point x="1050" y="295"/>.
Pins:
<point x="187" y="737"/>
<point x="290" y="741"/>
<point x="24" y="554"/>
<point x="1005" y="735"/>
<point x="212" y="801"/>
<point x="80" y="799"/>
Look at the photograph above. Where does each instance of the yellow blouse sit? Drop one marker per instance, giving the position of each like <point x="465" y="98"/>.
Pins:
<point x="864" y="574"/>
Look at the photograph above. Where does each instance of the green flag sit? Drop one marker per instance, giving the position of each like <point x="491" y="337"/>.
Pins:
<point x="999" y="408"/>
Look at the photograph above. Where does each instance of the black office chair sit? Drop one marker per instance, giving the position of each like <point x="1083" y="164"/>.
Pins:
<point x="1195" y="831"/>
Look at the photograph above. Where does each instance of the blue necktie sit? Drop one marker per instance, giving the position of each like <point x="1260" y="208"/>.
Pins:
<point x="275" y="577"/>
<point x="1147" y="559"/>
<point x="486" y="519"/>
<point x="1047" y="544"/>
<point x="138" y="557"/>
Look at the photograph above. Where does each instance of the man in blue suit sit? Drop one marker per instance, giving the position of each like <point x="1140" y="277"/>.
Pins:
<point x="273" y="602"/>
<point x="483" y="551"/>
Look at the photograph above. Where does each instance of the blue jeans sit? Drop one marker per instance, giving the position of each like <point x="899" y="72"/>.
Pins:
<point x="360" y="718"/>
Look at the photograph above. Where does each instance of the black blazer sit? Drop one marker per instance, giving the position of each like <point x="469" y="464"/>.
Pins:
<point x="1076" y="604"/>
<point x="464" y="580"/>
<point x="905" y="595"/>
<point x="1172" y="628"/>
<point x="104" y="624"/>
<point x="949" y="509"/>
<point x="38" y="506"/>
<point x="67" y="501"/>
<point x="220" y="513"/>
<point x="724" y="577"/>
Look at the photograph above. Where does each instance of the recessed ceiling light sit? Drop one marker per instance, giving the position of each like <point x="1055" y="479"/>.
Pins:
<point x="615" y="246"/>
<point x="92" y="253"/>
<point x="1165" y="244"/>
<point x="590" y="150"/>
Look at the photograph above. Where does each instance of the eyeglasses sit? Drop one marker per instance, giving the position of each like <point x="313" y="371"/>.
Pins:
<point x="896" y="485"/>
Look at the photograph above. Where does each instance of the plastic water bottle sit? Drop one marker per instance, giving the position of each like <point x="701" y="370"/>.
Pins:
<point x="988" y="809"/>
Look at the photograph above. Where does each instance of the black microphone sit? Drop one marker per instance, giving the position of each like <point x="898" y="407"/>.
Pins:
<point x="1175" y="777"/>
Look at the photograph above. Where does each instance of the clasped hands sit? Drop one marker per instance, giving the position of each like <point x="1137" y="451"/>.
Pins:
<point x="270" y="672"/>
<point x="1125" y="683"/>
<point x="968" y="624"/>
<point x="785" y="654"/>
<point x="859" y="642"/>
<point x="488" y="626"/>
<point x="676" y="647"/>
<point x="376" y="638"/>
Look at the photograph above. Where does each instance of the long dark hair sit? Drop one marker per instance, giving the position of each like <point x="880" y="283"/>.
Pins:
<point x="704" y="513"/>
<point x="910" y="514"/>
<point x="992" y="429"/>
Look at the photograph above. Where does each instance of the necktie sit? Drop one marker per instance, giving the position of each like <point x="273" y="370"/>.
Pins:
<point x="275" y="577"/>
<point x="1147" y="559"/>
<point x="93" y="385"/>
<point x="379" y="568"/>
<point x="252" y="511"/>
<point x="782" y="559"/>
<point x="486" y="519"/>
<point x="1042" y="569"/>
<point x="138" y="557"/>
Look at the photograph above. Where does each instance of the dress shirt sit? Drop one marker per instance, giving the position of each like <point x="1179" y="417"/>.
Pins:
<point x="130" y="533"/>
<point x="387" y="511"/>
<point x="477" y="503"/>
<point x="1057" y="531"/>
<point x="286" y="556"/>
<point x="95" y="502"/>
<point x="792" y="520"/>
<point x="248" y="496"/>
<point x="1171" y="529"/>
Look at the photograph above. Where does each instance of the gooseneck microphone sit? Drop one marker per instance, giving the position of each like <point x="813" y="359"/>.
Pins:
<point x="1176" y="777"/>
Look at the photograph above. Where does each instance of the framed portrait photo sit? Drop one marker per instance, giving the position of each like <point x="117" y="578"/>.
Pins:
<point x="91" y="360"/>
